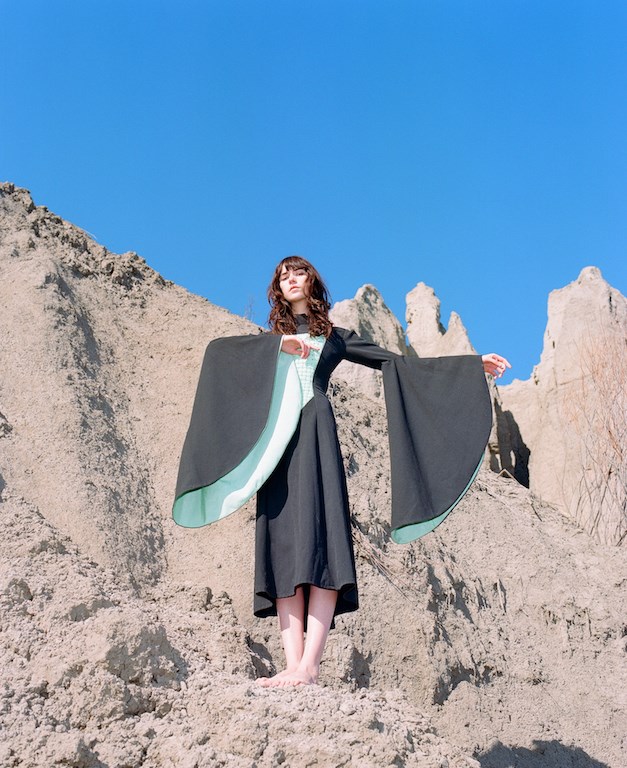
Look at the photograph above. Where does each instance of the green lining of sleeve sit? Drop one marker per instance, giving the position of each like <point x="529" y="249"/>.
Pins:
<point x="408" y="533"/>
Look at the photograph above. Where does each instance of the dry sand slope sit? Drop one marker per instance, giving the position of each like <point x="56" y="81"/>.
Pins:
<point x="497" y="641"/>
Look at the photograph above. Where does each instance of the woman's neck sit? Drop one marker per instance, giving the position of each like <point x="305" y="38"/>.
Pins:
<point x="300" y="307"/>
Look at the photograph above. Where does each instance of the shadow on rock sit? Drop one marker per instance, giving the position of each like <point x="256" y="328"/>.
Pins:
<point x="261" y="658"/>
<point x="512" y="445"/>
<point x="541" y="755"/>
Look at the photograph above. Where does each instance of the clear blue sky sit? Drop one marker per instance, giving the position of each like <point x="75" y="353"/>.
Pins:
<point x="476" y="145"/>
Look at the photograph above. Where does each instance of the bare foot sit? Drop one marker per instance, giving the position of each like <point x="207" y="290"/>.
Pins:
<point x="267" y="682"/>
<point x="304" y="676"/>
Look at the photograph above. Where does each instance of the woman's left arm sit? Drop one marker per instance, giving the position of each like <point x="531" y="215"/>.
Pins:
<point x="494" y="364"/>
<point x="364" y="352"/>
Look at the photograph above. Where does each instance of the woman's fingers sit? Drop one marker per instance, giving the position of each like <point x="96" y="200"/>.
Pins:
<point x="501" y="364"/>
<point x="296" y="346"/>
<point x="495" y="364"/>
<point x="501" y="361"/>
<point x="306" y="348"/>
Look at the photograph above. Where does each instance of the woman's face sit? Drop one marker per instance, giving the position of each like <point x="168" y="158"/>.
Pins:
<point x="293" y="284"/>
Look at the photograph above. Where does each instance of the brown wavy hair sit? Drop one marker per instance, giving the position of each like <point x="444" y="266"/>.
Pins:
<point x="281" y="319"/>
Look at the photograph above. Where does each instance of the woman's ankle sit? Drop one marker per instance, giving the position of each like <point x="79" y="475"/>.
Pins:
<point x="309" y="668"/>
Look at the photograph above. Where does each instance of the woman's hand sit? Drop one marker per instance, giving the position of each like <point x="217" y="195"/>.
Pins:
<point x="494" y="364"/>
<point x="294" y="345"/>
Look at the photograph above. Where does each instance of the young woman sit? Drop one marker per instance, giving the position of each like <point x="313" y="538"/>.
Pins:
<point x="262" y="423"/>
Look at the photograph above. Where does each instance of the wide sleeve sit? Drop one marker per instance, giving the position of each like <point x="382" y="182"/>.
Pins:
<point x="246" y="410"/>
<point x="439" y="417"/>
<point x="229" y="413"/>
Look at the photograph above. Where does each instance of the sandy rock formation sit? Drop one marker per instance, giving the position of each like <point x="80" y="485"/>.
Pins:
<point x="80" y="367"/>
<point x="426" y="334"/>
<point x="368" y="315"/>
<point x="572" y="412"/>
<point x="128" y="641"/>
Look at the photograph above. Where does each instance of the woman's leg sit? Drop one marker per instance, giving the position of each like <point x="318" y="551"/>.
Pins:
<point x="321" y="609"/>
<point x="320" y="614"/>
<point x="291" y="612"/>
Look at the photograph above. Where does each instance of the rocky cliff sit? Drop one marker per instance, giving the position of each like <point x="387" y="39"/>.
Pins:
<point x="572" y="412"/>
<point x="426" y="334"/>
<point x="497" y="640"/>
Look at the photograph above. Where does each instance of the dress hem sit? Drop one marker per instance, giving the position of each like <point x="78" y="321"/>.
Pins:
<point x="343" y="604"/>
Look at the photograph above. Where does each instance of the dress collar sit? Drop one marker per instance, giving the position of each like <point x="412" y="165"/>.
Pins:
<point x="302" y="321"/>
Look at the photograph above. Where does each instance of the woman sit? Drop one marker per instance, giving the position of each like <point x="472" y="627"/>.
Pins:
<point x="264" y="398"/>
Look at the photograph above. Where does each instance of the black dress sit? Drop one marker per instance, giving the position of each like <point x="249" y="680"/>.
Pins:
<point x="303" y="533"/>
<point x="439" y="420"/>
